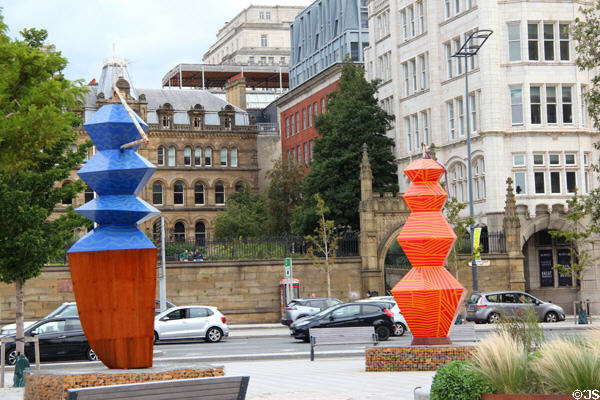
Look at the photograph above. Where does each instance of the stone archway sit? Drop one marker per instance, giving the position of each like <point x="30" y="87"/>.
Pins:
<point x="381" y="219"/>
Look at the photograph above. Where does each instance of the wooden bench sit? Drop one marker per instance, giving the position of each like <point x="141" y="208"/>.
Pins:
<point x="463" y="333"/>
<point x="219" y="388"/>
<point x="332" y="336"/>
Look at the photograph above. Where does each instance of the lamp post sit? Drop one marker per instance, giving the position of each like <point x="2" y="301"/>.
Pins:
<point x="469" y="48"/>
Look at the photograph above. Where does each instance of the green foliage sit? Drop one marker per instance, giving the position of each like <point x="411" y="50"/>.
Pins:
<point x="353" y="117"/>
<point x="452" y="209"/>
<point x="525" y="329"/>
<point x="456" y="382"/>
<point x="33" y="97"/>
<point x="245" y="216"/>
<point x="283" y="194"/>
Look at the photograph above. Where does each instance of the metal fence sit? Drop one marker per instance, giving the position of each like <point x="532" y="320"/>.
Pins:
<point x="493" y="242"/>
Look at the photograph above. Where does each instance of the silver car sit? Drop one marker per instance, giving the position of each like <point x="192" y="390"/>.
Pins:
<point x="191" y="322"/>
<point x="300" y="308"/>
<point x="489" y="307"/>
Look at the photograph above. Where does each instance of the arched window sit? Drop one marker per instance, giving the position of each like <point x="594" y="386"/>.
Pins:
<point x="178" y="193"/>
<point x="73" y="148"/>
<point x="219" y="193"/>
<point x="200" y="233"/>
<point x="479" y="178"/>
<point x="234" y="160"/>
<point x="239" y="186"/>
<point x="157" y="193"/>
<point x="208" y="156"/>
<point x="223" y="157"/>
<point x="198" y="193"/>
<point x="458" y="182"/>
<point x="197" y="156"/>
<point x="88" y="195"/>
<point x="67" y="200"/>
<point x="179" y="232"/>
<point x="171" y="160"/>
<point x="187" y="156"/>
<point x="160" y="155"/>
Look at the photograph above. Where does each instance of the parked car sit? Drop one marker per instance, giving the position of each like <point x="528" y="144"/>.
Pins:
<point x="68" y="309"/>
<point x="59" y="337"/>
<point x="489" y="307"/>
<point x="346" y="315"/>
<point x="400" y="325"/>
<point x="190" y="322"/>
<point x="300" y="308"/>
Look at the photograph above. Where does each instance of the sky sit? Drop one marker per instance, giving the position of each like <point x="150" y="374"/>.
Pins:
<point x="153" y="35"/>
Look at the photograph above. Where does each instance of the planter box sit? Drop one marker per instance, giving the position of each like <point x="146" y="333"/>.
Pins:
<point x="526" y="397"/>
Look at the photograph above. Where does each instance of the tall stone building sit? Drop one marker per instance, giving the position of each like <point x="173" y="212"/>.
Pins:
<point x="203" y="147"/>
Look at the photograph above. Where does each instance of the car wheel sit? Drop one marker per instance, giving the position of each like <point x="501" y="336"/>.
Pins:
<point x="399" y="329"/>
<point x="90" y="355"/>
<point x="214" y="335"/>
<point x="551" y="317"/>
<point x="11" y="357"/>
<point x="382" y="332"/>
<point x="155" y="337"/>
<point x="494" y="318"/>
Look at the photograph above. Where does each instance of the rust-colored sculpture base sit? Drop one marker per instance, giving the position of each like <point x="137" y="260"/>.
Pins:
<point x="115" y="294"/>
<point x="430" y="341"/>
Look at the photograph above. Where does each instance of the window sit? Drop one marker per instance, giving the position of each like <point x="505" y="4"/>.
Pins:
<point x="479" y="178"/>
<point x="549" y="42"/>
<point x="234" y="157"/>
<point x="421" y="14"/>
<point x="563" y="35"/>
<point x="415" y="124"/>
<point x="197" y="121"/>
<point x="458" y="60"/>
<point x="219" y="193"/>
<point x="157" y="193"/>
<point x="446" y="9"/>
<point x="411" y="20"/>
<point x="518" y="160"/>
<point x="178" y="193"/>
<point x="461" y="118"/>
<point x="448" y="51"/>
<point x="407" y="128"/>
<point x="310" y="115"/>
<point x="179" y="236"/>
<point x="450" y="108"/>
<point x="198" y="193"/>
<point x="571" y="181"/>
<point x="263" y="41"/>
<point x="473" y="109"/>
<point x="516" y="105"/>
<point x="88" y="195"/>
<point x="292" y="118"/>
<point x="532" y="36"/>
<point x="567" y="106"/>
<point x="208" y="156"/>
<point x="267" y="15"/>
<point x="166" y="121"/>
<point x="423" y="64"/>
<point x="456" y="6"/>
<point x="406" y="84"/>
<point x="297" y="123"/>
<point x="584" y="115"/>
<point x="413" y="75"/>
<point x="200" y="312"/>
<point x="551" y="104"/>
<point x="304" y="125"/>
<point x="298" y="155"/>
<point x="171" y="156"/>
<point x="310" y="148"/>
<point x="160" y="155"/>
<point x="239" y="186"/>
<point x="305" y="154"/>
<point x="554" y="159"/>
<point x="520" y="187"/>
<point x="223" y="157"/>
<point x="200" y="233"/>
<point x="570" y="159"/>
<point x="514" y="42"/>
<point x="538" y="178"/>
<point x="287" y="127"/>
<point x="425" y="119"/>
<point x="458" y="182"/>
<point x="555" y="182"/>
<point x="535" y="104"/>
<point x="586" y="159"/>
<point x="323" y="105"/>
<point x="538" y="159"/>
<point x="187" y="156"/>
<point x="197" y="156"/>
<point x="404" y="25"/>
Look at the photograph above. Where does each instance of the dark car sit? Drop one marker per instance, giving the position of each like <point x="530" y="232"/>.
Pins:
<point x="60" y="337"/>
<point x="346" y="315"/>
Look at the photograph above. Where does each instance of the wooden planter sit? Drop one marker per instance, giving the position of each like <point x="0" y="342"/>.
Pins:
<point x="526" y="397"/>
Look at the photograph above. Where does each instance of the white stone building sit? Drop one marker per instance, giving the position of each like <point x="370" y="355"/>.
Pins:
<point x="257" y="35"/>
<point x="527" y="114"/>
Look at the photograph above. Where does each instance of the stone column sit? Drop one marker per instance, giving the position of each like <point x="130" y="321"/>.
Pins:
<point x="512" y="233"/>
<point x="371" y="276"/>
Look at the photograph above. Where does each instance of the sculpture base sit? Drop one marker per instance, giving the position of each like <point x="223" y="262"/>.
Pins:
<point x="414" y="358"/>
<point x="430" y="341"/>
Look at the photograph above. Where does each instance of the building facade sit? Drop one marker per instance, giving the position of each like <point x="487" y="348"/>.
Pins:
<point x="324" y="33"/>
<point x="526" y="111"/>
<point x="203" y="147"/>
<point x="257" y="35"/>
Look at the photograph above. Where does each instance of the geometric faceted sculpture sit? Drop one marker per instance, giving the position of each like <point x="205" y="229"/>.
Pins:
<point x="113" y="267"/>
<point x="428" y="295"/>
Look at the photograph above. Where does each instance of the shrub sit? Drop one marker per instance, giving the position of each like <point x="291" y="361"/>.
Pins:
<point x="455" y="381"/>
<point x="502" y="362"/>
<point x="566" y="364"/>
<point x="524" y="328"/>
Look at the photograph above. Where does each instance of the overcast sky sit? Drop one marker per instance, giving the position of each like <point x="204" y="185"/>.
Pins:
<point x="153" y="35"/>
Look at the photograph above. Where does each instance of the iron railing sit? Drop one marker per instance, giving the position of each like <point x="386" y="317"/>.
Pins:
<point x="494" y="242"/>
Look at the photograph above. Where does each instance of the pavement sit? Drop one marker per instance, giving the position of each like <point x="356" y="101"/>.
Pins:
<point x="337" y="375"/>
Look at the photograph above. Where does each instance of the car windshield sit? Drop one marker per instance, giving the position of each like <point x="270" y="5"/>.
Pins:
<point x="326" y="311"/>
<point x="69" y="310"/>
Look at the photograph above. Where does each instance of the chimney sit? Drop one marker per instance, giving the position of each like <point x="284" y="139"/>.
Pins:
<point x="235" y="91"/>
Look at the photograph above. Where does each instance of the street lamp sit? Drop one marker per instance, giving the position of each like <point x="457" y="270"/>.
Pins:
<point x="469" y="48"/>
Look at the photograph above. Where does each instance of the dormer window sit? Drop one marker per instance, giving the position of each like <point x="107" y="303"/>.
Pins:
<point x="196" y="116"/>
<point x="165" y="121"/>
<point x="226" y="116"/>
<point x="197" y="122"/>
<point x="165" y="115"/>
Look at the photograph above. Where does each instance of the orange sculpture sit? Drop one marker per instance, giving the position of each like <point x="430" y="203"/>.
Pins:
<point x="428" y="295"/>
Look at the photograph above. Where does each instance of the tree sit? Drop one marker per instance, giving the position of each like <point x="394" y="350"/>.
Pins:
<point x="578" y="237"/>
<point x="283" y="194"/>
<point x="460" y="226"/>
<point x="324" y="244"/>
<point x="35" y="138"/>
<point x="353" y="117"/>
<point x="246" y="216"/>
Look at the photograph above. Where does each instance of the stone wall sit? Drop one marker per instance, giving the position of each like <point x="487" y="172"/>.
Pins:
<point x="414" y="358"/>
<point x="245" y="291"/>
